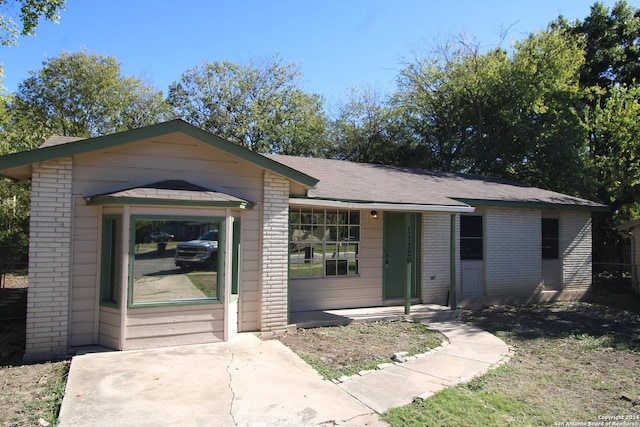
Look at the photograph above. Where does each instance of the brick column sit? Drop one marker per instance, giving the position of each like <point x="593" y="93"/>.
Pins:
<point x="49" y="259"/>
<point x="274" y="292"/>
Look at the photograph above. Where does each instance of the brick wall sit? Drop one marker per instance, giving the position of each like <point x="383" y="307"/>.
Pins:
<point x="49" y="259"/>
<point x="436" y="250"/>
<point x="274" y="298"/>
<point x="512" y="258"/>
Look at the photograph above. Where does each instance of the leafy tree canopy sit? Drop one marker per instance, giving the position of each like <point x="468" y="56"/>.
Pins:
<point x="259" y="106"/>
<point x="21" y="17"/>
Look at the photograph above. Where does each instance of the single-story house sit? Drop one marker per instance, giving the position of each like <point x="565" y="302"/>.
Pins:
<point x="169" y="235"/>
<point x="632" y="229"/>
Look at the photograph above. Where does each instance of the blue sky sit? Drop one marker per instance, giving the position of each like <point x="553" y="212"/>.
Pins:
<point x="337" y="43"/>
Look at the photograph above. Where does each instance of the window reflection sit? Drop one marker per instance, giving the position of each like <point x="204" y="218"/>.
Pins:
<point x="175" y="261"/>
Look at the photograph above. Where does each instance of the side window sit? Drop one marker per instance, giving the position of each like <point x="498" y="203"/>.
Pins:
<point x="550" y="238"/>
<point x="111" y="260"/>
<point x="470" y="237"/>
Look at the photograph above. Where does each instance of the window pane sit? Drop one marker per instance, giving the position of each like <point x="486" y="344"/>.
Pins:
<point x="550" y="238"/>
<point x="175" y="260"/>
<point x="111" y="260"/>
<point x="325" y="244"/>
<point x="470" y="226"/>
<point x="470" y="249"/>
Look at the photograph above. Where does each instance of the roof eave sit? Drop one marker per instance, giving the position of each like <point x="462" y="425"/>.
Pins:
<point x="535" y="204"/>
<point x="383" y="206"/>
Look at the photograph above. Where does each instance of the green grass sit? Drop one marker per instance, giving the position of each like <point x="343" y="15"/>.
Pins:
<point x="475" y="403"/>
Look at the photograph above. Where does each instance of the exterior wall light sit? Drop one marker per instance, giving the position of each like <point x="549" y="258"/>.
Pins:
<point x="373" y="215"/>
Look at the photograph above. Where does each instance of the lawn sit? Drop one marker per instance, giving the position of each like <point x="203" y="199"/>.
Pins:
<point x="574" y="363"/>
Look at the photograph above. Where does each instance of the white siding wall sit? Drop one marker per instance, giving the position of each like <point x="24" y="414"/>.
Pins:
<point x="364" y="290"/>
<point x="49" y="258"/>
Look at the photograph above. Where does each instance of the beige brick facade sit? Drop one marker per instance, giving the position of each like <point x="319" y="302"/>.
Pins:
<point x="274" y="296"/>
<point x="436" y="254"/>
<point x="49" y="259"/>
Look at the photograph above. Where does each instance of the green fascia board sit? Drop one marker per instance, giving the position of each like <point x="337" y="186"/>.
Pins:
<point x="83" y="146"/>
<point x="110" y="200"/>
<point x="534" y="205"/>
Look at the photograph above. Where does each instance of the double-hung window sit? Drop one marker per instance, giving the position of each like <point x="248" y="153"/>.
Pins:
<point x="323" y="242"/>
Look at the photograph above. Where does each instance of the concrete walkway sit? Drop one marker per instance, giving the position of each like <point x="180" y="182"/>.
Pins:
<point x="249" y="382"/>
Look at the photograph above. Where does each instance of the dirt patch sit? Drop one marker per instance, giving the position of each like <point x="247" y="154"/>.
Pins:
<point x="344" y="350"/>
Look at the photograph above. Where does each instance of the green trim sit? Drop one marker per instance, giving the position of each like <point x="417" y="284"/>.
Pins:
<point x="86" y="145"/>
<point x="182" y="302"/>
<point x="533" y="205"/>
<point x="115" y="200"/>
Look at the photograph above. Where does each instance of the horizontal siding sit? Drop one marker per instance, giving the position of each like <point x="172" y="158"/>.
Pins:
<point x="163" y="326"/>
<point x="346" y="292"/>
<point x="84" y="283"/>
<point x="109" y="328"/>
<point x="166" y="158"/>
<point x="250" y="260"/>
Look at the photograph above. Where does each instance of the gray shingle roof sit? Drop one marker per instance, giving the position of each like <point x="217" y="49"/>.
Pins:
<point x="361" y="182"/>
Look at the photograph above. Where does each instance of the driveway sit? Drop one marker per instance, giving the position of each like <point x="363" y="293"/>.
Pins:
<point x="242" y="382"/>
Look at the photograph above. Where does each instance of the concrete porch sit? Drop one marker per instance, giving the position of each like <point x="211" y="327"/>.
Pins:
<point x="418" y="312"/>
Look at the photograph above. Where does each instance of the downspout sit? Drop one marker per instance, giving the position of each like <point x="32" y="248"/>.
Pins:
<point x="452" y="263"/>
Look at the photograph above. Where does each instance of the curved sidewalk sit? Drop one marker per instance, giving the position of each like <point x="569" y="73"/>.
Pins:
<point x="249" y="382"/>
<point x="471" y="352"/>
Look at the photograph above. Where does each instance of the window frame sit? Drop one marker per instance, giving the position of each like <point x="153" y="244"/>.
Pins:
<point x="329" y="233"/>
<point x="220" y="221"/>
<point x="465" y="255"/>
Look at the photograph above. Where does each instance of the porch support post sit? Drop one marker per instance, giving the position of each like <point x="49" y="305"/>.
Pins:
<point x="452" y="263"/>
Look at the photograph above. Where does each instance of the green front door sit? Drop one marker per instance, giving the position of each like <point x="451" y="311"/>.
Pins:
<point x="401" y="254"/>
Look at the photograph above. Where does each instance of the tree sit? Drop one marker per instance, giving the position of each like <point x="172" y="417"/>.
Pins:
<point x="444" y="97"/>
<point x="259" y="106"/>
<point x="611" y="41"/>
<point x="77" y="94"/>
<point x="31" y="11"/>
<point x="489" y="113"/>
<point x="362" y="130"/>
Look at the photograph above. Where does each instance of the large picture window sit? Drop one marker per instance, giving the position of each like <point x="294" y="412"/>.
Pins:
<point x="323" y="242"/>
<point x="175" y="260"/>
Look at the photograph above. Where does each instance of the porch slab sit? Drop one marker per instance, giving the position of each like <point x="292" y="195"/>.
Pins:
<point x="418" y="312"/>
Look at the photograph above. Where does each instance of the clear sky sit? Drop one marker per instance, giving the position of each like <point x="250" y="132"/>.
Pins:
<point x="337" y="43"/>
